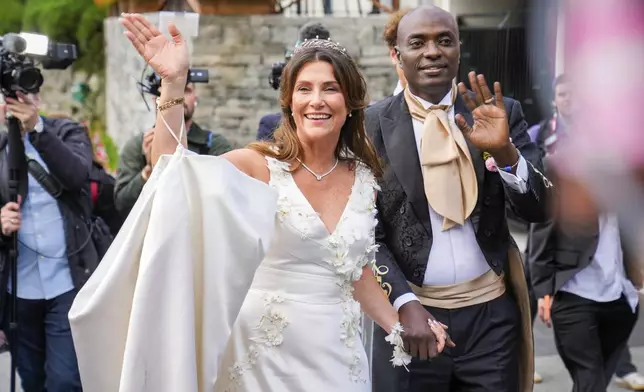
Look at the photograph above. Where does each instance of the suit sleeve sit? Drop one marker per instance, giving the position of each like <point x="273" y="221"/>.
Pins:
<point x="531" y="205"/>
<point x="541" y="249"/>
<point x="391" y="278"/>
<point x="129" y="182"/>
<point x="388" y="273"/>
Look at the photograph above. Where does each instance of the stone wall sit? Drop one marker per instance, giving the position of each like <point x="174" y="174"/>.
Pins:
<point x="239" y="52"/>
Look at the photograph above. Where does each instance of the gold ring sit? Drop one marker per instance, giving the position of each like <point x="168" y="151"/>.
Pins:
<point x="489" y="100"/>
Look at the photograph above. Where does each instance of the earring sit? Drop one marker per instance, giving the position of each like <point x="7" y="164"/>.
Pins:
<point x="350" y="114"/>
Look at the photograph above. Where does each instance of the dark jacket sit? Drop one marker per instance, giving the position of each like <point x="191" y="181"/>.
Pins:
<point x="558" y="252"/>
<point x="267" y="126"/>
<point x="103" y="200"/>
<point x="404" y="232"/>
<point x="67" y="151"/>
<point x="129" y="182"/>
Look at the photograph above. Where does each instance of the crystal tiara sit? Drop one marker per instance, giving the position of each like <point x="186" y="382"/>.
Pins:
<point x="321" y="43"/>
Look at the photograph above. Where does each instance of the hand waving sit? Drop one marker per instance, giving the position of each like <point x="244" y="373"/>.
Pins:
<point x="168" y="57"/>
<point x="491" y="130"/>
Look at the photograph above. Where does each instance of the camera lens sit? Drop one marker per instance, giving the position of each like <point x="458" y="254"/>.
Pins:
<point x="29" y="79"/>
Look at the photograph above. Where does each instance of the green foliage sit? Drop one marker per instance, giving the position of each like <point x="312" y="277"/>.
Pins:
<point x="71" y="21"/>
<point x="11" y="16"/>
<point x="91" y="44"/>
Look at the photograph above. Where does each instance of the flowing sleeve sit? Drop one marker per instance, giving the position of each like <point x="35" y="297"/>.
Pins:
<point x="157" y="313"/>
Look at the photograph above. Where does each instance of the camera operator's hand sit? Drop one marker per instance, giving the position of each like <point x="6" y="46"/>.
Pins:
<point x="146" y="172"/>
<point x="24" y="109"/>
<point x="167" y="57"/>
<point x="10" y="217"/>
<point x="147" y="145"/>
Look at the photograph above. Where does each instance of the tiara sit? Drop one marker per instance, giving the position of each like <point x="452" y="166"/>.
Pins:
<point x="317" y="42"/>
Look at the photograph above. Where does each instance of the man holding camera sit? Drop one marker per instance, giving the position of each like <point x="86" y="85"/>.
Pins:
<point x="135" y="166"/>
<point x="55" y="257"/>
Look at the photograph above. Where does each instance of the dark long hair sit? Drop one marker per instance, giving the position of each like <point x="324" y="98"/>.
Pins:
<point x="353" y="145"/>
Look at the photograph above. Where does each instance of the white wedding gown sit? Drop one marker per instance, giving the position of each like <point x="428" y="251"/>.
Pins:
<point x="299" y="328"/>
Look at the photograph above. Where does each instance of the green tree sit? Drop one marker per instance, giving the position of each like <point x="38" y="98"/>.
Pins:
<point x="71" y="21"/>
<point x="11" y="16"/>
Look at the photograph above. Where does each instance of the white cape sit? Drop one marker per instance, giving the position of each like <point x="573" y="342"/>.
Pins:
<point x="156" y="314"/>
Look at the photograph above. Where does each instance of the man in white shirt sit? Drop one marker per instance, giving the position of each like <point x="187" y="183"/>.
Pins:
<point x="445" y="251"/>
<point x="586" y="287"/>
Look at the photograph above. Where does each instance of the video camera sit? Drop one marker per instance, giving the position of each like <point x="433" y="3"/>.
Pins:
<point x="18" y="56"/>
<point x="153" y="80"/>
<point x="311" y="30"/>
<point x="275" y="75"/>
<point x="152" y="84"/>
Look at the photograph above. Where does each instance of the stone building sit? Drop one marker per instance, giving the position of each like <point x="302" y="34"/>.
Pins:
<point x="238" y="51"/>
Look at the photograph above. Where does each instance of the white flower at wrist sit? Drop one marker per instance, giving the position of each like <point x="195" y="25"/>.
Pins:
<point x="400" y="357"/>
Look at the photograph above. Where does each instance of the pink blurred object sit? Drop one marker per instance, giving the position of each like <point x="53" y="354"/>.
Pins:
<point x="604" y="153"/>
<point x="604" y="46"/>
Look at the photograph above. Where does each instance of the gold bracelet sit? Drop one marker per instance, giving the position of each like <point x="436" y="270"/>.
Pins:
<point x="170" y="103"/>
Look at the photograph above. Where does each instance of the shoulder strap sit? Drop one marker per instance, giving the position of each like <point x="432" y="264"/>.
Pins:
<point x="48" y="182"/>
<point x="51" y="185"/>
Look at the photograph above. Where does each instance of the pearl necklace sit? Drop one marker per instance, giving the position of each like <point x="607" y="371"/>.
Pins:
<point x="319" y="177"/>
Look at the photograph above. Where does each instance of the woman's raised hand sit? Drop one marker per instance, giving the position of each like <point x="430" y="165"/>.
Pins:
<point x="167" y="57"/>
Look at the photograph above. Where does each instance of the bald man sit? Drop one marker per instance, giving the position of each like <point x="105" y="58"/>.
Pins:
<point x="445" y="251"/>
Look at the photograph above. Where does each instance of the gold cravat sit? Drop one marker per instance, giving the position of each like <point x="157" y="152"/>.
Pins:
<point x="449" y="178"/>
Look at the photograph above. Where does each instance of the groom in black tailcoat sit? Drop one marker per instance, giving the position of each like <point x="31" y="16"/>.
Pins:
<point x="445" y="248"/>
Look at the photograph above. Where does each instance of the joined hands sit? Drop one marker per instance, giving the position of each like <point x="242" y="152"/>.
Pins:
<point x="423" y="335"/>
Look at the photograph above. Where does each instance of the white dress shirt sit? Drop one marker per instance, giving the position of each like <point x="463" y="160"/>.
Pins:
<point x="455" y="256"/>
<point x="399" y="88"/>
<point x="604" y="280"/>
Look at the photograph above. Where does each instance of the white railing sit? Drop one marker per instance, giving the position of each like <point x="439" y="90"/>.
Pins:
<point x="339" y="8"/>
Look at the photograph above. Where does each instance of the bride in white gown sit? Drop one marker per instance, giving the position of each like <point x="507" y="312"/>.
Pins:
<point x="299" y="326"/>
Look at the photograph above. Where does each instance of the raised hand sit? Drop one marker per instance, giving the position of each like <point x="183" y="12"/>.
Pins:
<point x="490" y="131"/>
<point x="167" y="57"/>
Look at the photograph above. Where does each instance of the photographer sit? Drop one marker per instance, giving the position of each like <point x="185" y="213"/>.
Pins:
<point x="268" y="123"/>
<point x="53" y="259"/>
<point x="135" y="167"/>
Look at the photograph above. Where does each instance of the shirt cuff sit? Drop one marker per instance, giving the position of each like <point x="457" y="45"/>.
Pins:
<point x="518" y="182"/>
<point x="403" y="299"/>
<point x="40" y="126"/>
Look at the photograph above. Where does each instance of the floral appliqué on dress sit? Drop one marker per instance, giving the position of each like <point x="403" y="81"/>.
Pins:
<point x="348" y="269"/>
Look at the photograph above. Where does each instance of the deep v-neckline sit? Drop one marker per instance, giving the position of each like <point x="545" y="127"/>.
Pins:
<point x="318" y="216"/>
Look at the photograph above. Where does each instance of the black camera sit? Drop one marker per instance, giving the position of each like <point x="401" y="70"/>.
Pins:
<point x="153" y="80"/>
<point x="276" y="74"/>
<point x="19" y="54"/>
